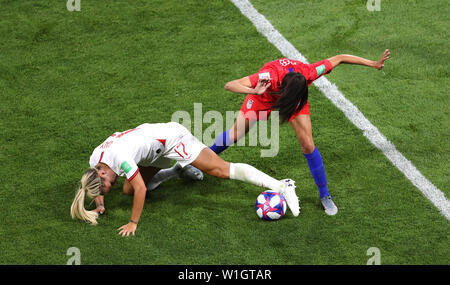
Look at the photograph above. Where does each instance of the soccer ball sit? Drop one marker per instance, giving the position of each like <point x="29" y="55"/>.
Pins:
<point x="270" y="206"/>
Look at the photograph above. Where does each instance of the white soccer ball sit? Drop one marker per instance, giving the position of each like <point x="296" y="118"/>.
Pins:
<point x="270" y="206"/>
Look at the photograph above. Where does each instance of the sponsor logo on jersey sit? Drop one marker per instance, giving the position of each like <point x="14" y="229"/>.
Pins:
<point x="320" y="69"/>
<point x="125" y="167"/>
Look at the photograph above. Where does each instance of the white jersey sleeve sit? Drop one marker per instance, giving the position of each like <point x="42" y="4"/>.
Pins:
<point x="128" y="167"/>
<point x="121" y="164"/>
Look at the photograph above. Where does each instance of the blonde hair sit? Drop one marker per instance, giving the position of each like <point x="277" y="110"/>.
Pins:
<point x="91" y="185"/>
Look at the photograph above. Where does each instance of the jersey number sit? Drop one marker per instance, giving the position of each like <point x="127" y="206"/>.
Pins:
<point x="181" y="150"/>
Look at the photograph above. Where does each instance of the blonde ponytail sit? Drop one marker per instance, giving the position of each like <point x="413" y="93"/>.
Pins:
<point x="91" y="185"/>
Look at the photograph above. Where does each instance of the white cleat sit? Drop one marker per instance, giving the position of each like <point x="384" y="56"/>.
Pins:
<point x="164" y="175"/>
<point x="191" y="173"/>
<point x="329" y="206"/>
<point x="290" y="196"/>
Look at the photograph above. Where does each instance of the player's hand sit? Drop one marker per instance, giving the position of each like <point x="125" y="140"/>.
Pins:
<point x="385" y="56"/>
<point x="261" y="86"/>
<point x="100" y="210"/>
<point x="127" y="229"/>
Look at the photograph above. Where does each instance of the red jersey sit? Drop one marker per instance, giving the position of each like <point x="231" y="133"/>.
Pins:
<point x="276" y="70"/>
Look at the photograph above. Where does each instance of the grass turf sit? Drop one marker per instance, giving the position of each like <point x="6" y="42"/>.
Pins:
<point x="69" y="79"/>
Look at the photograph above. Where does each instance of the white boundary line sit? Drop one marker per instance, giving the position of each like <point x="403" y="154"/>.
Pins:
<point x="331" y="91"/>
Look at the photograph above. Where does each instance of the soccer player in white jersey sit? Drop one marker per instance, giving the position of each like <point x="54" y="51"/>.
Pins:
<point x="141" y="152"/>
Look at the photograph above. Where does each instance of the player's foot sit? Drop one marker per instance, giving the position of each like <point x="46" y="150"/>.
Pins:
<point x="164" y="175"/>
<point x="328" y="205"/>
<point x="153" y="184"/>
<point x="290" y="196"/>
<point x="188" y="172"/>
<point x="191" y="173"/>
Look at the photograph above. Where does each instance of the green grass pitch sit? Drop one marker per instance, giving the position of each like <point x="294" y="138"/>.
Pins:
<point x="70" y="79"/>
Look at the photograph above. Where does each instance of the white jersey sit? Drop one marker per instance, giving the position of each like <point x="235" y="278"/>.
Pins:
<point x="146" y="145"/>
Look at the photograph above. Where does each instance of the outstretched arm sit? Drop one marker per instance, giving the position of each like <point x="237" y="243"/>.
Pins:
<point x="351" y="59"/>
<point x="244" y="86"/>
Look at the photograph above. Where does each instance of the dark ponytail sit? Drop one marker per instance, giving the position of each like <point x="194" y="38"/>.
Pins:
<point x="293" y="95"/>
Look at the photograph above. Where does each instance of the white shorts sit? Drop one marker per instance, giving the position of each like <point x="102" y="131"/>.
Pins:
<point x="182" y="147"/>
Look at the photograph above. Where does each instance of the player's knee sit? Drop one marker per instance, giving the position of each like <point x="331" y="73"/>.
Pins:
<point x="233" y="136"/>
<point x="308" y="146"/>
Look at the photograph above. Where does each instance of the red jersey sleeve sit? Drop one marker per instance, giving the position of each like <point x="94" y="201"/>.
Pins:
<point x="254" y="79"/>
<point x="318" y="69"/>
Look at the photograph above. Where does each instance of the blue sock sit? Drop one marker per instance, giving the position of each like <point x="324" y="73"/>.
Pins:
<point x="317" y="169"/>
<point x="222" y="142"/>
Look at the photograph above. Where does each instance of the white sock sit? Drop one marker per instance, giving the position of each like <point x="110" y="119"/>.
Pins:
<point x="249" y="174"/>
<point x="166" y="174"/>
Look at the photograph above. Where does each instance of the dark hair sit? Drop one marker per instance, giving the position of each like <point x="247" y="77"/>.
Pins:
<point x="293" y="95"/>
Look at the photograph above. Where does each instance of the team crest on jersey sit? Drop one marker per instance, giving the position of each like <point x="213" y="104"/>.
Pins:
<point x="249" y="103"/>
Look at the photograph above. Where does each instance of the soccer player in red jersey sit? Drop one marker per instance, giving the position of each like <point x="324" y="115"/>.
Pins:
<point x="282" y="85"/>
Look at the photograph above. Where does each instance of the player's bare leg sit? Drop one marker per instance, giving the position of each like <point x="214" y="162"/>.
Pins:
<point x="212" y="164"/>
<point x="236" y="132"/>
<point x="303" y="130"/>
<point x="240" y="128"/>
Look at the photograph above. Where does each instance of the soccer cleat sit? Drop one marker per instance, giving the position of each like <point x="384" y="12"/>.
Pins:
<point x="188" y="172"/>
<point x="288" y="192"/>
<point x="152" y="185"/>
<point x="191" y="173"/>
<point x="164" y="175"/>
<point x="328" y="205"/>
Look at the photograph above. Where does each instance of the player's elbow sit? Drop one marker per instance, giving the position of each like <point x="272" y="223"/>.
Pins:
<point x="140" y="191"/>
<point x="229" y="85"/>
<point x="336" y="60"/>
